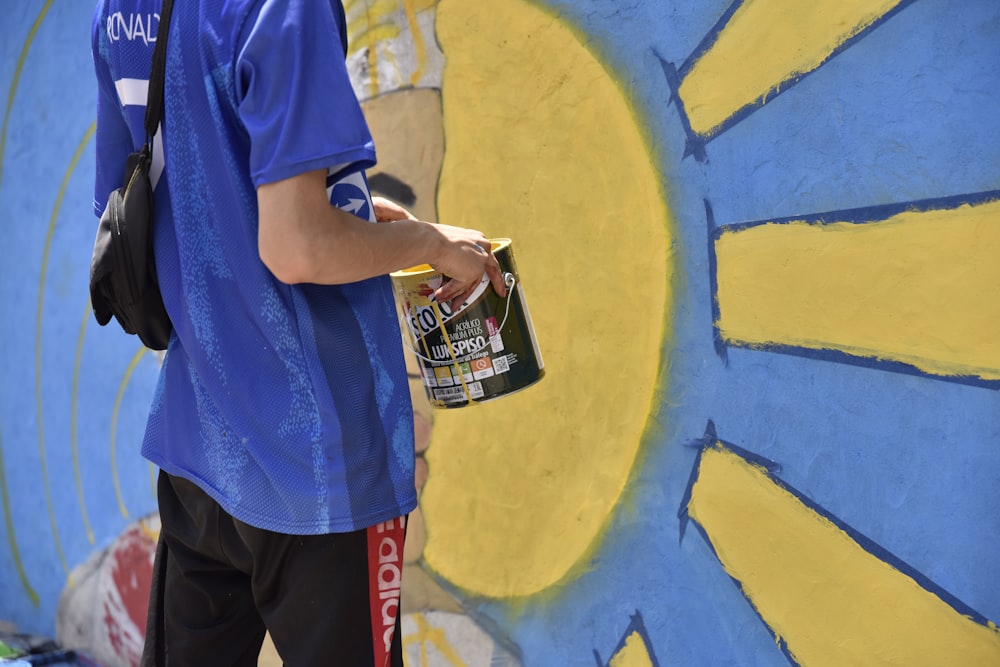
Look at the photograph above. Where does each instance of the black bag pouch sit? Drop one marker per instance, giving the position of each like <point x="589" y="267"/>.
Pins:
<point x="123" y="280"/>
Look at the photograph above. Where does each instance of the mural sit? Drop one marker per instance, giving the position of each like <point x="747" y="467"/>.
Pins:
<point x="71" y="399"/>
<point x="758" y="241"/>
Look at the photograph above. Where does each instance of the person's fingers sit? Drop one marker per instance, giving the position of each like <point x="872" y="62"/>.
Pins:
<point x="457" y="302"/>
<point x="496" y="276"/>
<point x="452" y="290"/>
<point x="455" y="293"/>
<point x="492" y="268"/>
<point x="469" y="261"/>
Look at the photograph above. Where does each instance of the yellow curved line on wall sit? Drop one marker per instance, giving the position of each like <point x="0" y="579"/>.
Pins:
<point x="543" y="147"/>
<point x="9" y="521"/>
<point x="780" y="40"/>
<point x="39" y="408"/>
<point x="114" y="428"/>
<point x="918" y="288"/>
<point x="21" y="58"/>
<point x="74" y="410"/>
<point x="827" y="598"/>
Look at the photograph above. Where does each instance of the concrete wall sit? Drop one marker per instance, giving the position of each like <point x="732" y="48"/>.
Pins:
<point x="759" y="242"/>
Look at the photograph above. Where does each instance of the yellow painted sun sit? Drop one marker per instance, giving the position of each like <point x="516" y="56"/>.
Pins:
<point x="541" y="147"/>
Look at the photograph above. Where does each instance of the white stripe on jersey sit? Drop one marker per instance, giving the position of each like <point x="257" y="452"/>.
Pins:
<point x="132" y="91"/>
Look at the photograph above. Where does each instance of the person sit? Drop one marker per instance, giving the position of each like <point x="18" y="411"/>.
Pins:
<point x="281" y="421"/>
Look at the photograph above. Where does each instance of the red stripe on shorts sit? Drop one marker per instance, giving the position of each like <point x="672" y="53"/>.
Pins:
<point x="385" y="574"/>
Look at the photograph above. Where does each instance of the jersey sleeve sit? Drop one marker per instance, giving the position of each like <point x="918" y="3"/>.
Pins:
<point x="294" y="94"/>
<point x="113" y="140"/>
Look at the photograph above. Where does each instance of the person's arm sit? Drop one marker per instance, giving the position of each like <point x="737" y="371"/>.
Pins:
<point x="302" y="238"/>
<point x="112" y="139"/>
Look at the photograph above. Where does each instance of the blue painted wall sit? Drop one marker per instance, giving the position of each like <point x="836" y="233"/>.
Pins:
<point x="71" y="476"/>
<point x="912" y="462"/>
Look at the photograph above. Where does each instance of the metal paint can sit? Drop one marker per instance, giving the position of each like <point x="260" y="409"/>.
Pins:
<point x="484" y="349"/>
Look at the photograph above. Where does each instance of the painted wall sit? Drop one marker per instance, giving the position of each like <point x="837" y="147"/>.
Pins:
<point x="759" y="242"/>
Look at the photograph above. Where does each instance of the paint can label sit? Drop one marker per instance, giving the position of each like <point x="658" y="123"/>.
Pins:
<point x="484" y="349"/>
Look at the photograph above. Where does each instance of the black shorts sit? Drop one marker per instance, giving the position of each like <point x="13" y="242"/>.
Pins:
<point x="219" y="584"/>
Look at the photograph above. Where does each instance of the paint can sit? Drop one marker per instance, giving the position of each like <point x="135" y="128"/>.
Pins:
<point x="484" y="349"/>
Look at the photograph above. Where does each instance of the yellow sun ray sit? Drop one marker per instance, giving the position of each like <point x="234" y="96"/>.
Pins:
<point x="800" y="37"/>
<point x="917" y="288"/>
<point x="825" y="597"/>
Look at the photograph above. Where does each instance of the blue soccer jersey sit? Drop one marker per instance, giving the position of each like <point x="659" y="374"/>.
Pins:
<point x="289" y="405"/>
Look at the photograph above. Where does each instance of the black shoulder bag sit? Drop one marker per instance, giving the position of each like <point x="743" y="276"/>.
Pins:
<point x="123" y="278"/>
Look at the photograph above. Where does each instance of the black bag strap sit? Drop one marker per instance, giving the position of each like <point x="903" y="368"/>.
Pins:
<point x="154" y="94"/>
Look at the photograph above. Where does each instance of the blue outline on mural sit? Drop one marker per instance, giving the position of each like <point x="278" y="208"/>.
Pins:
<point x="771" y="468"/>
<point x="695" y="143"/>
<point x="858" y="216"/>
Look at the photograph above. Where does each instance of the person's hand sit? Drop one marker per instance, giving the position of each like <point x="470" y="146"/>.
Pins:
<point x="464" y="257"/>
<point x="388" y="211"/>
<point x="454" y="290"/>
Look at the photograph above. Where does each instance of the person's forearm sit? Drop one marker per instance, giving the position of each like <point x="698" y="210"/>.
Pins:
<point x="336" y="247"/>
<point x="302" y="238"/>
